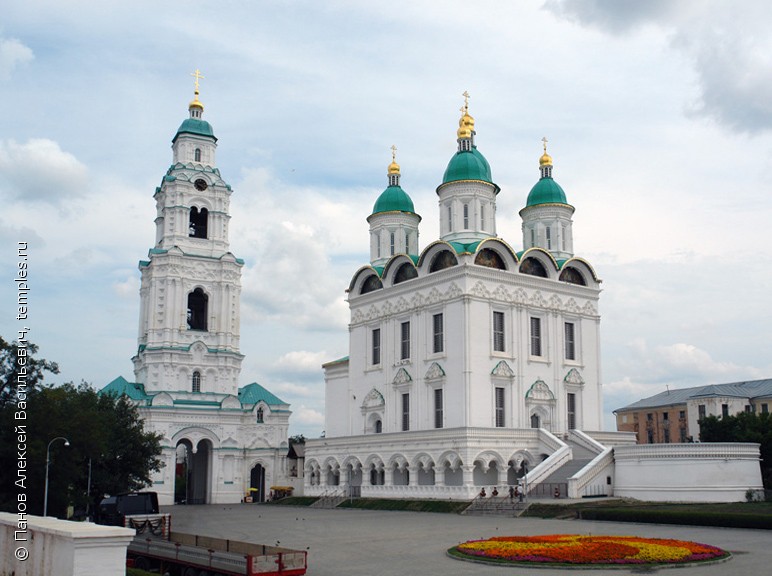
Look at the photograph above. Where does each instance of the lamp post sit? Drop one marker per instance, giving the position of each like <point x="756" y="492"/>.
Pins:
<point x="48" y="461"/>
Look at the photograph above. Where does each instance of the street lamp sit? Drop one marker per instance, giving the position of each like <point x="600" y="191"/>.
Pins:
<point x="48" y="460"/>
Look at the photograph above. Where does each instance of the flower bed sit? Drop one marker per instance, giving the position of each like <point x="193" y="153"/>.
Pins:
<point x="575" y="549"/>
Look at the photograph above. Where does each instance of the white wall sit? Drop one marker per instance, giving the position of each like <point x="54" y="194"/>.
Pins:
<point x="63" y="548"/>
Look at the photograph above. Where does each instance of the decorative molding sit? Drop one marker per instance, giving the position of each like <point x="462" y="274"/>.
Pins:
<point x="435" y="372"/>
<point x="373" y="400"/>
<point x="539" y="391"/>
<point x="574" y="378"/>
<point x="402" y="377"/>
<point x="503" y="370"/>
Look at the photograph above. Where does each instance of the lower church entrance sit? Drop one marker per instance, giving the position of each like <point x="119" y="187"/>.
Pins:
<point x="191" y="478"/>
<point x="257" y="483"/>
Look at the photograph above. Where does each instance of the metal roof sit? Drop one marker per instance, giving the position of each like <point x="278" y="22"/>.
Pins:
<point x="747" y="389"/>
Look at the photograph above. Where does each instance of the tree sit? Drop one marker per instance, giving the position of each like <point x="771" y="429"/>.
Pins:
<point x="106" y="435"/>
<point x="743" y="427"/>
<point x="17" y="364"/>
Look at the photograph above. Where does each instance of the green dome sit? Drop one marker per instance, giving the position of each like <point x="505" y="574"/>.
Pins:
<point x="546" y="191"/>
<point x="393" y="199"/>
<point x="467" y="165"/>
<point x="195" y="126"/>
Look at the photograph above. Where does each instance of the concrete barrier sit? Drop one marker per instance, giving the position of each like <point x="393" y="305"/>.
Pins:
<point x="52" y="547"/>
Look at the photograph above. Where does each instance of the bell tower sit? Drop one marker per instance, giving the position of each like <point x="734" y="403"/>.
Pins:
<point x="191" y="282"/>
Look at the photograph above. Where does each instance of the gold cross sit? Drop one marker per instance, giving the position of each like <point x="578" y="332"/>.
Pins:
<point x="393" y="153"/>
<point x="197" y="74"/>
<point x="466" y="99"/>
<point x="544" y="140"/>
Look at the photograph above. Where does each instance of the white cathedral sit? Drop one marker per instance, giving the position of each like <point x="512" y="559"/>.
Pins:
<point x="220" y="442"/>
<point x="470" y="362"/>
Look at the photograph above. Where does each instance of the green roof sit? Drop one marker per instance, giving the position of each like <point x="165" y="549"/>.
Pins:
<point x="254" y="393"/>
<point x="393" y="199"/>
<point x="467" y="165"/>
<point x="195" y="126"/>
<point x="546" y="191"/>
<point x="469" y="248"/>
<point x="120" y="387"/>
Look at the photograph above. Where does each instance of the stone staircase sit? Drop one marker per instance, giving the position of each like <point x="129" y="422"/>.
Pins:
<point x="496" y="505"/>
<point x="330" y="500"/>
<point x="581" y="456"/>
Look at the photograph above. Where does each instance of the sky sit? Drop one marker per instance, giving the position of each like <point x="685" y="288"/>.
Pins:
<point x="658" y="116"/>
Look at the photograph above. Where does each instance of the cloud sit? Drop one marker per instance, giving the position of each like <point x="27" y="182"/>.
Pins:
<point x="294" y="276"/>
<point x="39" y="170"/>
<point x="127" y="288"/>
<point x="301" y="361"/>
<point x="12" y="54"/>
<point x="728" y="49"/>
<point x="304" y="416"/>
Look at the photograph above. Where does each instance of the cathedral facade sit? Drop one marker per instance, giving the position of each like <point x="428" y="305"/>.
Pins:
<point x="220" y="442"/>
<point x="469" y="361"/>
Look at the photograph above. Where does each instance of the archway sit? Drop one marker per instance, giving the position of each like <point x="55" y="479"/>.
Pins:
<point x="182" y="455"/>
<point x="257" y="483"/>
<point x="191" y="474"/>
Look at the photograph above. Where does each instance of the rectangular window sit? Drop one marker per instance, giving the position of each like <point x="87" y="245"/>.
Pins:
<point x="725" y="409"/>
<point x="549" y="239"/>
<point x="533" y="237"/>
<point x="682" y="414"/>
<point x="405" y="341"/>
<point x="376" y="346"/>
<point x="438" y="334"/>
<point x="563" y="238"/>
<point x="498" y="332"/>
<point x="764" y="408"/>
<point x="450" y="218"/>
<point x="571" y="407"/>
<point x="570" y="341"/>
<point x="391" y="243"/>
<point x="649" y="417"/>
<point x="535" y="336"/>
<point x="682" y="435"/>
<point x="438" y="416"/>
<point x="650" y="436"/>
<point x="748" y="408"/>
<point x="499" y="407"/>
<point x="665" y="416"/>
<point x="482" y="216"/>
<point x="666" y="435"/>
<point x="466" y="216"/>
<point x="405" y="412"/>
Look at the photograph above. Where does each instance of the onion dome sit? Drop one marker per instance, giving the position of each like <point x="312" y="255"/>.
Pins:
<point x="468" y="163"/>
<point x="546" y="190"/>
<point x="394" y="198"/>
<point x="195" y="125"/>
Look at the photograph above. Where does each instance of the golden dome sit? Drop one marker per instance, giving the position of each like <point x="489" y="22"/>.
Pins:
<point x="196" y="103"/>
<point x="393" y="167"/>
<point x="546" y="159"/>
<point x="466" y="123"/>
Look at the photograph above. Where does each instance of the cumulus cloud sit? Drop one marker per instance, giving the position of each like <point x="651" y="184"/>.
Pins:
<point x="39" y="170"/>
<point x="127" y="288"/>
<point x="304" y="416"/>
<point x="293" y="274"/>
<point x="301" y="361"/>
<point x="12" y="54"/>
<point x="728" y="49"/>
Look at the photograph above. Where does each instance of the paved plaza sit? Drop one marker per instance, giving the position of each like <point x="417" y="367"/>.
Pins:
<point x="377" y="543"/>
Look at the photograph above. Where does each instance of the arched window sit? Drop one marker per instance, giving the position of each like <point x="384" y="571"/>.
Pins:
<point x="391" y="244"/>
<point x="482" y="216"/>
<point x="535" y="421"/>
<point x="450" y="218"/>
<point x="378" y="427"/>
<point x="466" y="216"/>
<point x="405" y="272"/>
<point x="442" y="260"/>
<point x="198" y="303"/>
<point x="260" y="414"/>
<point x="407" y="242"/>
<point x="196" y="384"/>
<point x="533" y="267"/>
<point x="490" y="258"/>
<point x="372" y="283"/>
<point x="572" y="276"/>
<point x="198" y="222"/>
<point x="197" y="155"/>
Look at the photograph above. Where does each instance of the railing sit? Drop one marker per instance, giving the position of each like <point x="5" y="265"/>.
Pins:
<point x="560" y="456"/>
<point x="586" y="441"/>
<point x="597" y="467"/>
<point x="706" y="450"/>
